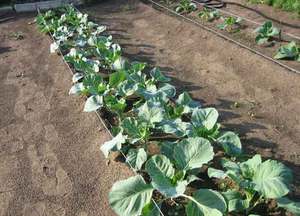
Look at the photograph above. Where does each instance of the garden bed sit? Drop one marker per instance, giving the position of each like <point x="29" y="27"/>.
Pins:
<point x="146" y="116"/>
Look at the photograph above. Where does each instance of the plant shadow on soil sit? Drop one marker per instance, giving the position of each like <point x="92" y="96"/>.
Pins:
<point x="135" y="52"/>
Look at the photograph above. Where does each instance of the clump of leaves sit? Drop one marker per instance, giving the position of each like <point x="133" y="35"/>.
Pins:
<point x="266" y="32"/>
<point x="143" y="107"/>
<point x="231" y="24"/>
<point x="209" y="14"/>
<point x="185" y="6"/>
<point x="290" y="51"/>
<point x="17" y="35"/>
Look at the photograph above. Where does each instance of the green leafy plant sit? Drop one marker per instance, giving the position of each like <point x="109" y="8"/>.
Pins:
<point x="208" y="14"/>
<point x="230" y="24"/>
<point x="266" y="32"/>
<point x="290" y="51"/>
<point x="143" y="112"/>
<point x="186" y="6"/>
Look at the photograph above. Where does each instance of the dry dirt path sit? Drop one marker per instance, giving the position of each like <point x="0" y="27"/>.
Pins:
<point x="50" y="161"/>
<point x="216" y="72"/>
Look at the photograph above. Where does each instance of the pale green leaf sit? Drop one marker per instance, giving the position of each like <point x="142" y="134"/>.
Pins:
<point x="93" y="103"/>
<point x="77" y="88"/>
<point x="272" y="179"/>
<point x="192" y="153"/>
<point x="187" y="102"/>
<point x="207" y="203"/>
<point x="136" y="158"/>
<point x="161" y="171"/>
<point x="206" y="117"/>
<point x="231" y="143"/>
<point x="114" y="144"/>
<point x="128" y="197"/>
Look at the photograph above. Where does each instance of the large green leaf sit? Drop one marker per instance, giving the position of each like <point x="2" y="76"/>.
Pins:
<point x="128" y="197"/>
<point x="151" y="112"/>
<point x="289" y="205"/>
<point x="272" y="179"/>
<point x="136" y="158"/>
<point x="231" y="143"/>
<point x="93" y="103"/>
<point x="206" y="202"/>
<point x="192" y="153"/>
<point x="114" y="144"/>
<point x="206" y="117"/>
<point x="161" y="171"/>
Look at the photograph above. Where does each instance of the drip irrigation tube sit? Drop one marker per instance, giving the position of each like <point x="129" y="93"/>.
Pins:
<point x="204" y="4"/>
<point x="225" y="37"/>
<point x="99" y="116"/>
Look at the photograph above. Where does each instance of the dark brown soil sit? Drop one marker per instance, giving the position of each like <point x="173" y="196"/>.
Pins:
<point x="255" y="97"/>
<point x="50" y="160"/>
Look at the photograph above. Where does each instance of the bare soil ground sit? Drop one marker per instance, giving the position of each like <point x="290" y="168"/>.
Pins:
<point x="255" y="97"/>
<point x="50" y="161"/>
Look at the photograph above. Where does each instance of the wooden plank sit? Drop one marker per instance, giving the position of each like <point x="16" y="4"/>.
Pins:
<point x="28" y="7"/>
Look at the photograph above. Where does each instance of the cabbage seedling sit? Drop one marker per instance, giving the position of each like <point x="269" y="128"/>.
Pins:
<point x="230" y="24"/>
<point x="209" y="15"/>
<point x="185" y="6"/>
<point x="290" y="51"/>
<point x="266" y="32"/>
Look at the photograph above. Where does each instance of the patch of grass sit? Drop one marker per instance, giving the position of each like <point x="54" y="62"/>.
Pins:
<point x="287" y="5"/>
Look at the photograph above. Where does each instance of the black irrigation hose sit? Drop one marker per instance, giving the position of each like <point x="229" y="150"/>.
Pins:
<point x="212" y="3"/>
<point x="223" y="36"/>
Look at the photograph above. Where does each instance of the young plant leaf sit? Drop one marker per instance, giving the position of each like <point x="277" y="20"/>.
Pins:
<point x="136" y="158"/>
<point x="176" y="126"/>
<point x="151" y="209"/>
<point x="290" y="51"/>
<point x="235" y="201"/>
<point x="216" y="173"/>
<point x="206" y="117"/>
<point x="289" y="205"/>
<point x="206" y="202"/>
<point x="158" y="76"/>
<point x="231" y="143"/>
<point x="192" y="153"/>
<point x="151" y="112"/>
<point x="116" y="78"/>
<point x="93" y="103"/>
<point x="77" y="88"/>
<point x="161" y="171"/>
<point x="77" y="76"/>
<point x="113" y="145"/>
<point x="272" y="179"/>
<point x="128" y="197"/>
<point x="250" y="166"/>
<point x="189" y="105"/>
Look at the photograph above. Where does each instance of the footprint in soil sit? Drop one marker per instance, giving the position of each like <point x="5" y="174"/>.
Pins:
<point x="43" y="208"/>
<point x="47" y="173"/>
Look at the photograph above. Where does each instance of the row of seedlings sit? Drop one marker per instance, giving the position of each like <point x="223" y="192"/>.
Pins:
<point x="168" y="138"/>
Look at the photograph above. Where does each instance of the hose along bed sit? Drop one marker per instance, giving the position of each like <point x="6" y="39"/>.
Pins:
<point x="218" y="4"/>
